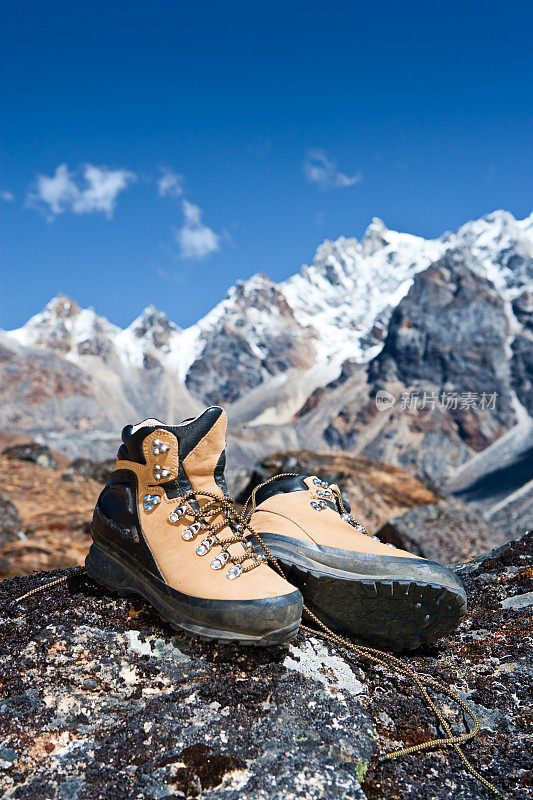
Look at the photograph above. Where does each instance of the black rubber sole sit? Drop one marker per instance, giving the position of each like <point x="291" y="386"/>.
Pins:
<point x="279" y="620"/>
<point x="393" y="604"/>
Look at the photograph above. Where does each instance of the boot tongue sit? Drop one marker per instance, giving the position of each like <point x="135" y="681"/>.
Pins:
<point x="281" y="485"/>
<point x="201" y="450"/>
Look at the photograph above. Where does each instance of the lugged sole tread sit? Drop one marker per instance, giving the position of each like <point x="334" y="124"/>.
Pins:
<point x="396" y="614"/>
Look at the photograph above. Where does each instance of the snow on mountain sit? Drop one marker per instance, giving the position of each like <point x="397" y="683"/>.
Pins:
<point x="150" y="339"/>
<point x="248" y="337"/>
<point x="350" y="284"/>
<point x="336" y="308"/>
<point x="65" y="327"/>
<point x="498" y="247"/>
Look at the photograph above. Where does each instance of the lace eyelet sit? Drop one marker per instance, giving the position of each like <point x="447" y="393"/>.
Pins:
<point x="178" y="513"/>
<point x="190" y="532"/>
<point x="234" y="572"/>
<point x="160" y="473"/>
<point x="318" y="506"/>
<point x="150" y="501"/>
<point x="220" y="561"/>
<point x="205" y="545"/>
<point x="159" y="447"/>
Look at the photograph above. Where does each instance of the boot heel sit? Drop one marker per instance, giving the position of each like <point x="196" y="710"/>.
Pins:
<point x="107" y="572"/>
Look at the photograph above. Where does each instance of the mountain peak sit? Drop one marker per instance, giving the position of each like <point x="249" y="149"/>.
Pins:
<point x="377" y="225"/>
<point x="62" y="307"/>
<point x="154" y="328"/>
<point x="374" y="238"/>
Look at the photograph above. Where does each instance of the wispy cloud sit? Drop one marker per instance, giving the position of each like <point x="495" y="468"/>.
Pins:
<point x="170" y="184"/>
<point x="195" y="239"/>
<point x="321" y="169"/>
<point x="6" y="196"/>
<point x="65" y="191"/>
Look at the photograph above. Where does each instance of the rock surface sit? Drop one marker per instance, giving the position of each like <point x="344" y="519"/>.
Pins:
<point x="36" y="453"/>
<point x="101" y="700"/>
<point x="10" y="521"/>
<point x="447" y="531"/>
<point x="53" y="511"/>
<point x="95" y="470"/>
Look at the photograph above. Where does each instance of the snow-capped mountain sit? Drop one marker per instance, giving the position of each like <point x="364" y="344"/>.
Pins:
<point x="267" y="349"/>
<point x="335" y="309"/>
<point x="339" y="307"/>
<point x="352" y="284"/>
<point x="68" y="329"/>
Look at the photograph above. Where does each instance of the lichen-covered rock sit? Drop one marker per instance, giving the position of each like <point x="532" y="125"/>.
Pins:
<point x="447" y="531"/>
<point x="100" y="699"/>
<point x="36" y="453"/>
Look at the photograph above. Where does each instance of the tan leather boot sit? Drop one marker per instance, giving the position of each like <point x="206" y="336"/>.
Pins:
<point x="350" y="580"/>
<point x="163" y="528"/>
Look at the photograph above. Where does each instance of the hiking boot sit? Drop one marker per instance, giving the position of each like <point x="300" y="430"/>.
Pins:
<point x="353" y="582"/>
<point x="164" y="528"/>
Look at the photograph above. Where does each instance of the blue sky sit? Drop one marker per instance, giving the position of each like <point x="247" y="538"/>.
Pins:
<point x="273" y="126"/>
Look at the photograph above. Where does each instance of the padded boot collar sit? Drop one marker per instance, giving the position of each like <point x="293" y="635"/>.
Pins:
<point x="282" y="485"/>
<point x="188" y="434"/>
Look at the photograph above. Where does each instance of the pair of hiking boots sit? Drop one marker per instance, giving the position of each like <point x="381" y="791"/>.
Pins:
<point x="165" y="528"/>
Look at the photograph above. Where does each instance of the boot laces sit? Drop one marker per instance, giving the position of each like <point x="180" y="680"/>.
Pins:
<point x="382" y="658"/>
<point x="220" y="509"/>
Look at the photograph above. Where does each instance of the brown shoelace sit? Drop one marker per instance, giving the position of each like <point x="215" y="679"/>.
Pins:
<point x="387" y="660"/>
<point x="219" y="505"/>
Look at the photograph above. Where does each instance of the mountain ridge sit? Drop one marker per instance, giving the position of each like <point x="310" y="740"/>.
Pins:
<point x="372" y="274"/>
<point x="301" y="362"/>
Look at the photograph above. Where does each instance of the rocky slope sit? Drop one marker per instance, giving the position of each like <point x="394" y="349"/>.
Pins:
<point x="62" y="377"/>
<point x="100" y="699"/>
<point x="45" y="511"/>
<point x="444" y="363"/>
<point x="255" y="337"/>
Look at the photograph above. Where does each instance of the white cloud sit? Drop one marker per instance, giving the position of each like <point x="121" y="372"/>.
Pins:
<point x="6" y="196"/>
<point x="65" y="192"/>
<point x="319" y="168"/>
<point x="170" y="183"/>
<point x="195" y="239"/>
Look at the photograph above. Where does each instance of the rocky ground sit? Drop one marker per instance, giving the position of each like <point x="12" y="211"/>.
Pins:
<point x="444" y="531"/>
<point x="100" y="700"/>
<point x="46" y="504"/>
<point x="45" y="510"/>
